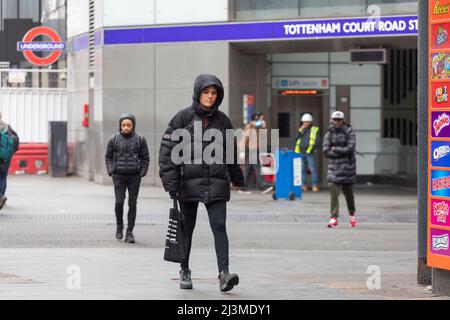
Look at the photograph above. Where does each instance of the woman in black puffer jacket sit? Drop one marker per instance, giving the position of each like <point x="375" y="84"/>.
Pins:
<point x="194" y="180"/>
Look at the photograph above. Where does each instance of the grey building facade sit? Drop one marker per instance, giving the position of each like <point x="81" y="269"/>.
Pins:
<point x="127" y="60"/>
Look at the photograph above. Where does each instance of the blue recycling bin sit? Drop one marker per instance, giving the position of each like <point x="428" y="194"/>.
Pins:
<point x="288" y="181"/>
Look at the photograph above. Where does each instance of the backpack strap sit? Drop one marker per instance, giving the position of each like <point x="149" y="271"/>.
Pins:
<point x="139" y="142"/>
<point x="116" y="136"/>
<point x="115" y="146"/>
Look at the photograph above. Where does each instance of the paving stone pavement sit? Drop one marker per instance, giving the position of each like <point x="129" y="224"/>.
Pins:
<point x="281" y="249"/>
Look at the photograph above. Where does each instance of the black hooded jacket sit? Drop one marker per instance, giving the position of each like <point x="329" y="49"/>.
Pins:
<point x="127" y="154"/>
<point x="339" y="148"/>
<point x="192" y="181"/>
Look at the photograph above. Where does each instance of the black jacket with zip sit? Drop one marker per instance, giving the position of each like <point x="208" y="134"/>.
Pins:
<point x="127" y="154"/>
<point x="339" y="148"/>
<point x="202" y="182"/>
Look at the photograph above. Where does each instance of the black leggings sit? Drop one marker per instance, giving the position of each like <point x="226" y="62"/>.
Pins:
<point x="121" y="184"/>
<point x="217" y="212"/>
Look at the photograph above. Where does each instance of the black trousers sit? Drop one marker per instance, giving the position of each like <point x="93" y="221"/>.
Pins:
<point x="217" y="213"/>
<point x="122" y="183"/>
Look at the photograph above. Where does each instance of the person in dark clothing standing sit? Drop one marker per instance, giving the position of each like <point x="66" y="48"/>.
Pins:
<point x="339" y="148"/>
<point x="127" y="162"/>
<point x="307" y="144"/>
<point x="5" y="163"/>
<point x="193" y="181"/>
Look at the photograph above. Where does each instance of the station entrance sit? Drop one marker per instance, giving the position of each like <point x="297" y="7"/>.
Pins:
<point x="378" y="99"/>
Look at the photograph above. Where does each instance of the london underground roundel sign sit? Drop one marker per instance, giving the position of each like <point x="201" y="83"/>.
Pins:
<point x="29" y="47"/>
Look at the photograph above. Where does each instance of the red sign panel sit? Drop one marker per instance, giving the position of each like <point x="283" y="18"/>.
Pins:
<point x="440" y="36"/>
<point x="439" y="92"/>
<point x="439" y="10"/>
<point x="54" y="46"/>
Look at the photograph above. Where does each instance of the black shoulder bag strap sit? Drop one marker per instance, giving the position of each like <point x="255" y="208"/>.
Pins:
<point x="176" y="208"/>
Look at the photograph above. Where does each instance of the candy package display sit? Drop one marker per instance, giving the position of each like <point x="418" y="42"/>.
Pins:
<point x="441" y="95"/>
<point x="440" y="33"/>
<point x="440" y="65"/>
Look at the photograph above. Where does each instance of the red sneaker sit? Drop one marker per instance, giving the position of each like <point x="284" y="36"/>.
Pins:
<point x="353" y="222"/>
<point x="333" y="223"/>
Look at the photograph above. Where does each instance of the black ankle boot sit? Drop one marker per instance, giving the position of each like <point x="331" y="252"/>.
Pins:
<point x="3" y="202"/>
<point x="185" y="279"/>
<point x="227" y="281"/>
<point x="129" y="237"/>
<point x="119" y="232"/>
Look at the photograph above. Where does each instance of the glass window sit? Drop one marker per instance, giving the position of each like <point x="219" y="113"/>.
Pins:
<point x="395" y="6"/>
<point x="291" y="9"/>
<point x="55" y="18"/>
<point x="329" y="8"/>
<point x="9" y="9"/>
<point x="49" y="5"/>
<point x="265" y="9"/>
<point x="29" y="9"/>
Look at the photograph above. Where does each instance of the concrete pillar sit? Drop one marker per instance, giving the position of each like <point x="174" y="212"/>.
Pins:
<point x="441" y="282"/>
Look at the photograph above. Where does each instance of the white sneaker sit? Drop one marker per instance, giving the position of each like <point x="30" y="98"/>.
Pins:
<point x="267" y="190"/>
<point x="333" y="223"/>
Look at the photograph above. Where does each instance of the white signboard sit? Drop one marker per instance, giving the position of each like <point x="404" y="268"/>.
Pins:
<point x="287" y="83"/>
<point x="17" y="77"/>
<point x="297" y="172"/>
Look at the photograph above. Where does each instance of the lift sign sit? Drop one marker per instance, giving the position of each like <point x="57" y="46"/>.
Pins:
<point x="29" y="47"/>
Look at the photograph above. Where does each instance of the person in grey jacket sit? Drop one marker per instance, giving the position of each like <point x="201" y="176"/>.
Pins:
<point x="339" y="147"/>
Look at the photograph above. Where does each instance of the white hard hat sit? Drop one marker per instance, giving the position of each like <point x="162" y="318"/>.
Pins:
<point x="338" y="115"/>
<point x="307" y="118"/>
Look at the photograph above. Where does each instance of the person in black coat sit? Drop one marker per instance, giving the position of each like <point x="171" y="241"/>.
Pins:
<point x="193" y="179"/>
<point x="340" y="148"/>
<point x="127" y="161"/>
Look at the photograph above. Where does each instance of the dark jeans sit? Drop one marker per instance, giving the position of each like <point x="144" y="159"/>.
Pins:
<point x="217" y="212"/>
<point x="309" y="161"/>
<point x="4" y="167"/>
<point x="121" y="184"/>
<point x="260" y="182"/>
<point x="347" y="189"/>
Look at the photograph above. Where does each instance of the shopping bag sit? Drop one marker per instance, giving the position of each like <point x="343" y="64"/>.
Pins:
<point x="175" y="249"/>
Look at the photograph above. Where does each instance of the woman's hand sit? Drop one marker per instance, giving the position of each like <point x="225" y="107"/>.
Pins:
<point x="234" y="188"/>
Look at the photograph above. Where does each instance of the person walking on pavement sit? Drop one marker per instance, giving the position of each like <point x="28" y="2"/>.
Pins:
<point x="307" y="144"/>
<point x="339" y="148"/>
<point x="250" y="142"/>
<point x="127" y="161"/>
<point x="9" y="144"/>
<point x="191" y="183"/>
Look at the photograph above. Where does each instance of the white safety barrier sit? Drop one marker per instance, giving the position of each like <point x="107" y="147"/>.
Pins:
<point x="29" y="99"/>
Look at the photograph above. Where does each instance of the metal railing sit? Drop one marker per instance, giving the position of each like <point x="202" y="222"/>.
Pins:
<point x="35" y="79"/>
